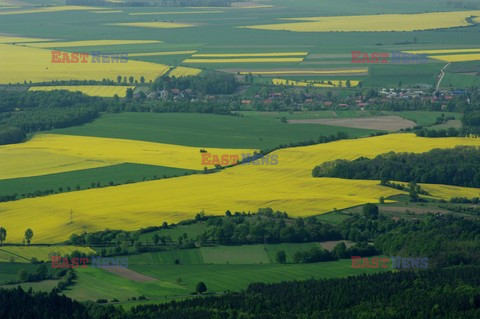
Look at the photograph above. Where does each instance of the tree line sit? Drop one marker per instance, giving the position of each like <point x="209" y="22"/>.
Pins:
<point x="458" y="166"/>
<point x="433" y="293"/>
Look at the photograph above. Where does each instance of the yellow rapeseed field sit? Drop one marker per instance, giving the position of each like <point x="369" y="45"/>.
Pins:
<point x="380" y="23"/>
<point x="229" y="55"/>
<point x="25" y="162"/>
<point x="20" y="63"/>
<point x="161" y="53"/>
<point x="49" y="9"/>
<point x="325" y="84"/>
<point x="108" y="11"/>
<point x="74" y="152"/>
<point x="307" y="72"/>
<point x="244" y="60"/>
<point x="25" y="254"/>
<point x="160" y="25"/>
<point x="444" y="51"/>
<point x="287" y="186"/>
<point x="181" y="71"/>
<point x="6" y="39"/>
<point x="87" y="43"/>
<point x="456" y="57"/>
<point x="174" y="12"/>
<point x="92" y="90"/>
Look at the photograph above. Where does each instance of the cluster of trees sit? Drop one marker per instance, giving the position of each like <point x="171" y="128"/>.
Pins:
<point x="450" y="132"/>
<point x="264" y="228"/>
<point x="340" y="251"/>
<point x="458" y="166"/>
<point x="25" y="112"/>
<point x="445" y="240"/>
<point x="433" y="293"/>
<point x="471" y="122"/>
<point x="11" y="135"/>
<point x="26" y="239"/>
<point x="211" y="83"/>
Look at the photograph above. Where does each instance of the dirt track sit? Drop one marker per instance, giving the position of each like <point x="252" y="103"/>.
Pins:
<point x="384" y="123"/>
<point x="129" y="274"/>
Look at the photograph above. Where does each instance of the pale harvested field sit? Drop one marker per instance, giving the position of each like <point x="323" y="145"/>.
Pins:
<point x="129" y="274"/>
<point x="383" y="123"/>
<point x="329" y="245"/>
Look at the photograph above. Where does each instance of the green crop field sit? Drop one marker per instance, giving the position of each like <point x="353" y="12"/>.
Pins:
<point x="83" y="179"/>
<point x="9" y="271"/>
<point x="205" y="130"/>
<point x="171" y="280"/>
<point x="24" y="254"/>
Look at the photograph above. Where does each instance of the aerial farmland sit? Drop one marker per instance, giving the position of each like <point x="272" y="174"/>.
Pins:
<point x="185" y="158"/>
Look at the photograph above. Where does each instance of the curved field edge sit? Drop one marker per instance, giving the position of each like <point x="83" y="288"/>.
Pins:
<point x="56" y="153"/>
<point x="287" y="186"/>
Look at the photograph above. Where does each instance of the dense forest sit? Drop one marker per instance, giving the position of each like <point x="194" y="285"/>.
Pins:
<point x="213" y="83"/>
<point x="459" y="166"/>
<point x="434" y="293"/>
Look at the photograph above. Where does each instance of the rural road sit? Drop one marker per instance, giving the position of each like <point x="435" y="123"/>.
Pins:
<point x="442" y="74"/>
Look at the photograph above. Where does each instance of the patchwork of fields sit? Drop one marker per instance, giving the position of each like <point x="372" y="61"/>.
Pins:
<point x="138" y="205"/>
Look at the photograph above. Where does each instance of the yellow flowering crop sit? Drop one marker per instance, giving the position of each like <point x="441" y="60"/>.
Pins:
<point x="20" y="63"/>
<point x="181" y="71"/>
<point x="160" y="25"/>
<point x="244" y="60"/>
<point x="325" y="84"/>
<point x="286" y="186"/>
<point x="92" y="90"/>
<point x="75" y="152"/>
<point x="229" y="55"/>
<point x="86" y="43"/>
<point x="379" y="23"/>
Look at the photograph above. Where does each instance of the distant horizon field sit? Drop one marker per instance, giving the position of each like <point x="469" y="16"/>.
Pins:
<point x="218" y="33"/>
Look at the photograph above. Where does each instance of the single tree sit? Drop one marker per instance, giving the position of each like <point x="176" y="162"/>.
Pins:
<point x="28" y="236"/>
<point x="201" y="287"/>
<point x="129" y="94"/>
<point x="370" y="211"/>
<point x="281" y="257"/>
<point x="22" y="274"/>
<point x="156" y="239"/>
<point x="3" y="235"/>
